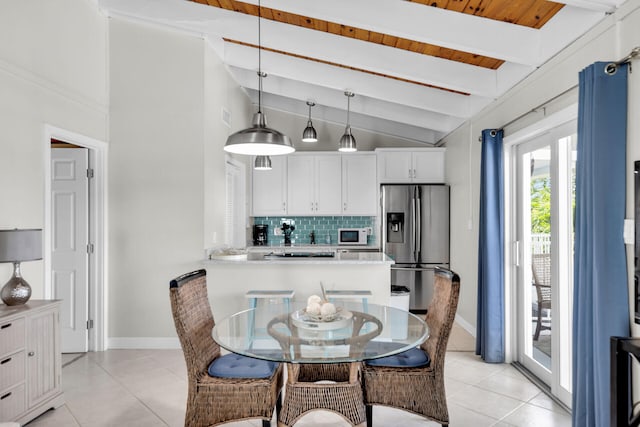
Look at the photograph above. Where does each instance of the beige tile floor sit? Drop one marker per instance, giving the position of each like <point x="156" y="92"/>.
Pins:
<point x="148" y="388"/>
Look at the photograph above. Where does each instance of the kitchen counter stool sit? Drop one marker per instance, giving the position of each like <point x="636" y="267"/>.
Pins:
<point x="332" y="295"/>
<point x="253" y="296"/>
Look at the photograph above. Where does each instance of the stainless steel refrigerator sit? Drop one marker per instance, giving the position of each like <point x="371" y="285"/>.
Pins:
<point x="415" y="233"/>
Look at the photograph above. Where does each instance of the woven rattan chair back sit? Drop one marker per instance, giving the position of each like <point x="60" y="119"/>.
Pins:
<point x="212" y="400"/>
<point x="194" y="321"/>
<point x="440" y="315"/>
<point x="419" y="389"/>
<point x="541" y="269"/>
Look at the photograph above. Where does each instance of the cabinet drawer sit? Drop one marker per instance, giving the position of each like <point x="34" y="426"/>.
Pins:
<point x="12" y="403"/>
<point x="11" y="336"/>
<point x="11" y="370"/>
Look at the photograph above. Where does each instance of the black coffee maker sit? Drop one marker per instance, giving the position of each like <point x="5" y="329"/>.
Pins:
<point x="260" y="233"/>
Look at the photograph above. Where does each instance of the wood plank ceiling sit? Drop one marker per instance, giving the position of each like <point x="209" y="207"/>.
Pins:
<point x="419" y="68"/>
<point x="529" y="13"/>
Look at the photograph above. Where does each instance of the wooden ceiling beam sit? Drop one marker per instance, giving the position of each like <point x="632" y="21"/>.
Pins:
<point x="353" y="32"/>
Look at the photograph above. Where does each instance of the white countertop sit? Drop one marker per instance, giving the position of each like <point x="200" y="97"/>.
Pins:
<point x="312" y="248"/>
<point x="258" y="257"/>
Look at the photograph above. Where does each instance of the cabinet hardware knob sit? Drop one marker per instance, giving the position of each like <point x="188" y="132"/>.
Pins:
<point x="31" y="353"/>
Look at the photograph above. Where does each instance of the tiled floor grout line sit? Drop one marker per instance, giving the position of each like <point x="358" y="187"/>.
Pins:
<point x="128" y="390"/>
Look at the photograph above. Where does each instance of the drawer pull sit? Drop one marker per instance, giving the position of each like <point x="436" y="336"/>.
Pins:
<point x="5" y="361"/>
<point x="31" y="353"/>
<point x="5" y="326"/>
<point x="5" y="396"/>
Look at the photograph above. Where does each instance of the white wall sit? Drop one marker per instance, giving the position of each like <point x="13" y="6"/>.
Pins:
<point x="156" y="176"/>
<point x="221" y="93"/>
<point x="52" y="71"/>
<point x="609" y="41"/>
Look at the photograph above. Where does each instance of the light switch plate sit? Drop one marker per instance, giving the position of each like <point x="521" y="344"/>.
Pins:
<point x="628" y="233"/>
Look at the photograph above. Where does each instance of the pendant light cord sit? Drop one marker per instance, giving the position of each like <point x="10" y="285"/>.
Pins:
<point x="259" y="59"/>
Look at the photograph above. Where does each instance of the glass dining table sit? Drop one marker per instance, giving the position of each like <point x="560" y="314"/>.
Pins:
<point x="286" y="333"/>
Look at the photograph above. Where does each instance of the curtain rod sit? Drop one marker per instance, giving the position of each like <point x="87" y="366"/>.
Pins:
<point x="611" y="68"/>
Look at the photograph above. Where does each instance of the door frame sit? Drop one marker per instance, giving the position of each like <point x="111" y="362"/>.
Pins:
<point x="513" y="254"/>
<point x="98" y="273"/>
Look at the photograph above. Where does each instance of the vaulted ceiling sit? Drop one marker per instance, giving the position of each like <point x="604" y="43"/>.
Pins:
<point x="418" y="68"/>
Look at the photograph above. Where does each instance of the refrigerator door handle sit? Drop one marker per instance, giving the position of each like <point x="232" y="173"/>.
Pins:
<point x="418" y="224"/>
<point x="413" y="268"/>
<point x="414" y="238"/>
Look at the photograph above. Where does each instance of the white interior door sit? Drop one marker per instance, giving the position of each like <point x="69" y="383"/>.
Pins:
<point x="70" y="238"/>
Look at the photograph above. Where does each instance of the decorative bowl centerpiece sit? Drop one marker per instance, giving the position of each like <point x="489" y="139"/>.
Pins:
<point x="321" y="314"/>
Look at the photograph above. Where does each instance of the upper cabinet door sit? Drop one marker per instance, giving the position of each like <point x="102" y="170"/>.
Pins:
<point x="269" y="188"/>
<point x="428" y="167"/>
<point x="301" y="185"/>
<point x="314" y="186"/>
<point x="328" y="177"/>
<point x="419" y="166"/>
<point x="394" y="166"/>
<point x="359" y="187"/>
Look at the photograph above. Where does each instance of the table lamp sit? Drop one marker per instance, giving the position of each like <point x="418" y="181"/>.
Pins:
<point x="17" y="246"/>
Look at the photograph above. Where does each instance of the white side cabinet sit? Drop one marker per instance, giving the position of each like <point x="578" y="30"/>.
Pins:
<point x="269" y="188"/>
<point x="399" y="166"/>
<point x="314" y="184"/>
<point x="359" y="187"/>
<point x="30" y="360"/>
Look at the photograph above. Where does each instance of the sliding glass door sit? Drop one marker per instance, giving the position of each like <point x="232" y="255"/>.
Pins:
<point x="544" y="190"/>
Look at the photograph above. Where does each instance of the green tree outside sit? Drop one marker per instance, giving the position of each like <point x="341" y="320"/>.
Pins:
<point x="541" y="205"/>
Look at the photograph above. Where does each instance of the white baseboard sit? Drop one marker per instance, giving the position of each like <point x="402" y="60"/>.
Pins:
<point x="465" y="325"/>
<point x="122" y="343"/>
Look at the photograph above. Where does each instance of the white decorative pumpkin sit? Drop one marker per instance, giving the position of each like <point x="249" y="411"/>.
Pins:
<point x="314" y="298"/>
<point x="314" y="309"/>
<point x="327" y="309"/>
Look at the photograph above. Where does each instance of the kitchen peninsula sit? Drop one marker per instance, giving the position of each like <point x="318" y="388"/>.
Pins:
<point x="229" y="280"/>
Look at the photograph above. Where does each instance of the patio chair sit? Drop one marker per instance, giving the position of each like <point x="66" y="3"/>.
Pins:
<point x="541" y="267"/>
<point x="221" y="388"/>
<point x="414" y="380"/>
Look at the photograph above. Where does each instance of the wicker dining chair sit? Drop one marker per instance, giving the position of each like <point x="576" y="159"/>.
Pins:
<point x="245" y="387"/>
<point x="418" y="389"/>
<point x="541" y="268"/>
<point x="334" y="387"/>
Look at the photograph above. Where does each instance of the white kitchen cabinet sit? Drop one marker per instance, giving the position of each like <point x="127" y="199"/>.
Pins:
<point x="269" y="188"/>
<point x="30" y="360"/>
<point x="359" y="187"/>
<point x="425" y="166"/>
<point x="314" y="184"/>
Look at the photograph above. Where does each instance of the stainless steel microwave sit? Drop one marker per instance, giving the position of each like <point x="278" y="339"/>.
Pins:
<point x="352" y="236"/>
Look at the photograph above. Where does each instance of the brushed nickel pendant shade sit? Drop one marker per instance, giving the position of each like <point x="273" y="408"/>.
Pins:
<point x="259" y="139"/>
<point x="348" y="142"/>
<point x="262" y="163"/>
<point x="309" y="134"/>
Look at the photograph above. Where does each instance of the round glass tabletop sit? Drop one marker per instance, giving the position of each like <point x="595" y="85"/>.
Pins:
<point x="286" y="333"/>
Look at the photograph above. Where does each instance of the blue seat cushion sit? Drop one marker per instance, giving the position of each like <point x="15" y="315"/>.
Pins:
<point x="412" y="358"/>
<point x="237" y="366"/>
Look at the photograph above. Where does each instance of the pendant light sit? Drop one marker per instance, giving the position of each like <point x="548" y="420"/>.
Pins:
<point x="259" y="140"/>
<point x="348" y="142"/>
<point x="309" y="134"/>
<point x="262" y="163"/>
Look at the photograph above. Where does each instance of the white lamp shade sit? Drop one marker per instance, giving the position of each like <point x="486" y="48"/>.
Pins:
<point x="20" y="245"/>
